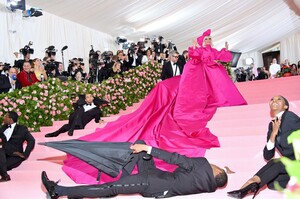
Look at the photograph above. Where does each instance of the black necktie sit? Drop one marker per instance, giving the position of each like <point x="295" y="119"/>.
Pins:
<point x="175" y="69"/>
<point x="28" y="77"/>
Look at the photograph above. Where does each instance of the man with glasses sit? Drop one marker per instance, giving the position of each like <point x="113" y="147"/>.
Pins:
<point x="171" y="69"/>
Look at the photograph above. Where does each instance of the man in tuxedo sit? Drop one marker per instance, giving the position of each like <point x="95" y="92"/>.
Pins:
<point x="86" y="108"/>
<point x="26" y="77"/>
<point x="171" y="69"/>
<point x="9" y="82"/>
<point x="193" y="176"/>
<point x="12" y="138"/>
<point x="283" y="123"/>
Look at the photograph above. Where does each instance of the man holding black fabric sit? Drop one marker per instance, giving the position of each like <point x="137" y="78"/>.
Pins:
<point x="193" y="176"/>
<point x="86" y="108"/>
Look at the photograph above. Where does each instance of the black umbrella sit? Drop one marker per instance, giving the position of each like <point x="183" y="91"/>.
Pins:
<point x="108" y="157"/>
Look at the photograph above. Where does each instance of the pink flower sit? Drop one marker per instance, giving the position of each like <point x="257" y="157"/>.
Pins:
<point x="65" y="108"/>
<point x="58" y="111"/>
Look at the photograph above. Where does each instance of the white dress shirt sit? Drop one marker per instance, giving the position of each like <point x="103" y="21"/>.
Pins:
<point x="270" y="145"/>
<point x="175" y="68"/>
<point x="8" y="132"/>
<point x="88" y="107"/>
<point x="274" y="68"/>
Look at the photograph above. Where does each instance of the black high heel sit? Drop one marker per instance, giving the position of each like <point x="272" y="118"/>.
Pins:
<point x="241" y="193"/>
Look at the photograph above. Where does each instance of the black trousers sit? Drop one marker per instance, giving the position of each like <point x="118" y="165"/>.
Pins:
<point x="75" y="121"/>
<point x="127" y="184"/>
<point x="273" y="171"/>
<point x="8" y="162"/>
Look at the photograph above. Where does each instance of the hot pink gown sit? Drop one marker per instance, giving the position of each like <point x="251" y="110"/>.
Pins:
<point x="174" y="114"/>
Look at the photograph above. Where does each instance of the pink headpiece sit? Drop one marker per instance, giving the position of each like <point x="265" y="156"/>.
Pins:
<point x="201" y="38"/>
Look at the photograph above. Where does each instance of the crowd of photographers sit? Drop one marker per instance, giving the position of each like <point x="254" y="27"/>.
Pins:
<point x="102" y="65"/>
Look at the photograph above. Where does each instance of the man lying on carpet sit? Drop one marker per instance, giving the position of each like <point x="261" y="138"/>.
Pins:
<point x="86" y="108"/>
<point x="193" y="176"/>
<point x="284" y="122"/>
<point x="12" y="138"/>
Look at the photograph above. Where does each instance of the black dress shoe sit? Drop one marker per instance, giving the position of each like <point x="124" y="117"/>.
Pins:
<point x="70" y="132"/>
<point x="49" y="185"/>
<point x="241" y="193"/>
<point x="5" y="178"/>
<point x="54" y="134"/>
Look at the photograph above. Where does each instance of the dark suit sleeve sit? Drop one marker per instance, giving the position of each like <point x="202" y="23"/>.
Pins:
<point x="269" y="154"/>
<point x="30" y="142"/>
<point x="164" y="73"/>
<point x="290" y="122"/>
<point x="98" y="115"/>
<point x="173" y="158"/>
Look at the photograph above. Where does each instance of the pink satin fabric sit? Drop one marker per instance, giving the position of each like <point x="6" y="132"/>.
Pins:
<point x="173" y="116"/>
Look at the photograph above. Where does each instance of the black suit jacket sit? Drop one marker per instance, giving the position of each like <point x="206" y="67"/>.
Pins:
<point x="15" y="143"/>
<point x="167" y="71"/>
<point x="193" y="175"/>
<point x="5" y="84"/>
<point x="289" y="122"/>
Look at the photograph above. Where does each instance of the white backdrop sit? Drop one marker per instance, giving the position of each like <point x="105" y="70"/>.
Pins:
<point x="16" y="32"/>
<point x="249" y="26"/>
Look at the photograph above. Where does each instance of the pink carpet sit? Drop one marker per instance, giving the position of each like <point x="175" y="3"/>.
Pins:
<point x="241" y="130"/>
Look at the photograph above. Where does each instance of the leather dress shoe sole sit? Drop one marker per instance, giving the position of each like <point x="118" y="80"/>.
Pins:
<point x="5" y="179"/>
<point x="51" y="135"/>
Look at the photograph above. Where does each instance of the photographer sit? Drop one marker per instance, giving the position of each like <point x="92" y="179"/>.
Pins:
<point x="101" y="72"/>
<point x="51" y="66"/>
<point x="134" y="57"/>
<point x="26" y="52"/>
<point x="8" y="83"/>
<point x="61" y="71"/>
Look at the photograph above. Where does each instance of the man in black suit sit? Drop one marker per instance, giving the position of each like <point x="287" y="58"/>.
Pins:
<point x="134" y="57"/>
<point x="8" y="83"/>
<point x="284" y="122"/>
<point x="86" y="109"/>
<point x="171" y="69"/>
<point x="182" y="59"/>
<point x="193" y="175"/>
<point x="12" y="138"/>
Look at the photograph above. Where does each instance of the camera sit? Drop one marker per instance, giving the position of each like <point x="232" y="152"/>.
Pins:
<point x="51" y="51"/>
<point x="27" y="50"/>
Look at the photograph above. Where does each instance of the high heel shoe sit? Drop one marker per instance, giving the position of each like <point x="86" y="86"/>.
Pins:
<point x="241" y="193"/>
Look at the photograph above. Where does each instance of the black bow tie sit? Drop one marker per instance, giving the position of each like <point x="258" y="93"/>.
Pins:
<point x="89" y="104"/>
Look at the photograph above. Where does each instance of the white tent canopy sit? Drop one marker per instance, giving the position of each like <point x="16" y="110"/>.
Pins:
<point x="250" y="26"/>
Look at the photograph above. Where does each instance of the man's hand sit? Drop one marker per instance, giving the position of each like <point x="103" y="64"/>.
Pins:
<point x="276" y="124"/>
<point x="137" y="148"/>
<point x="17" y="153"/>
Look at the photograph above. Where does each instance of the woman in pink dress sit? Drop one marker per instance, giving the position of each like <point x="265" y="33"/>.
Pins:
<point x="174" y="114"/>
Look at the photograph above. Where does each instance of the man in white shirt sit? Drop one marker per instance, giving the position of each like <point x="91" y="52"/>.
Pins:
<point x="171" y="69"/>
<point x="12" y="138"/>
<point x="274" y="68"/>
